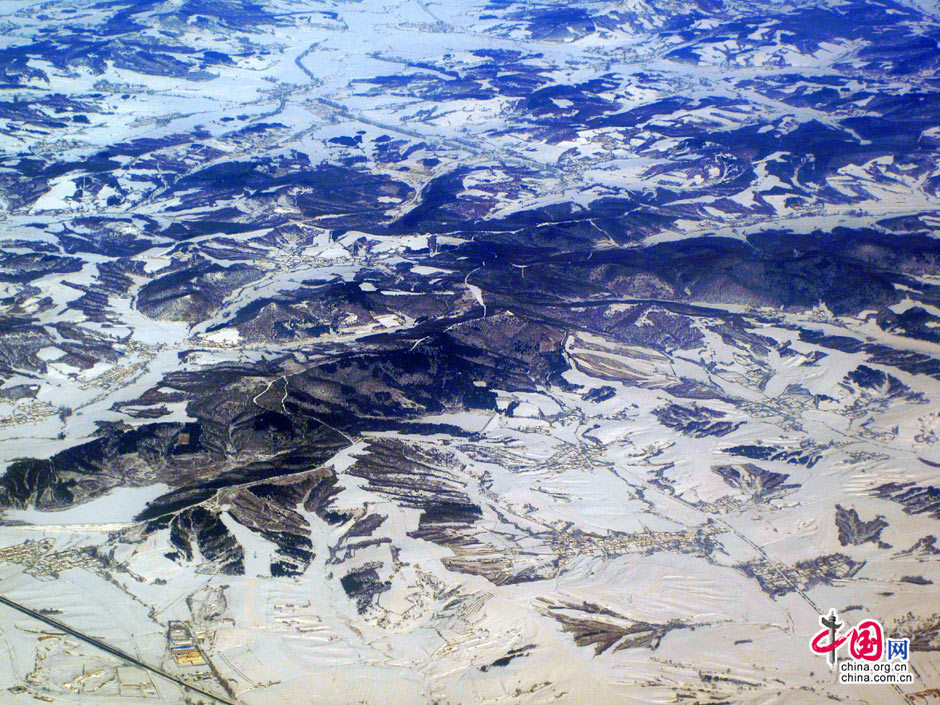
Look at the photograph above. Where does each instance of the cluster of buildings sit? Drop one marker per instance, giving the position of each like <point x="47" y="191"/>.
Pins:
<point x="692" y="540"/>
<point x="43" y="563"/>
<point x="182" y="647"/>
<point x="118" y="377"/>
<point x="922" y="695"/>
<point x="299" y="618"/>
<point x="28" y="411"/>
<point x="778" y="579"/>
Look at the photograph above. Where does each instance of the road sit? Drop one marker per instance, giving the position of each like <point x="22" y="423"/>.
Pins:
<point x="637" y="480"/>
<point x="110" y="649"/>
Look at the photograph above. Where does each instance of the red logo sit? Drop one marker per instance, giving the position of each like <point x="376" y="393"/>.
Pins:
<point x="866" y="639"/>
<point x="819" y="648"/>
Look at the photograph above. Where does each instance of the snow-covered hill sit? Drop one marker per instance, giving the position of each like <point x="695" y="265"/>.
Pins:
<point x="480" y="352"/>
